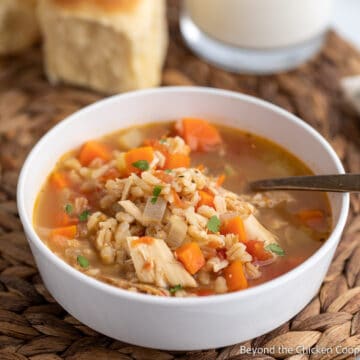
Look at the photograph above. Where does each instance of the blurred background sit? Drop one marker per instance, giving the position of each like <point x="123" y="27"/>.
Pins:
<point x="345" y="20"/>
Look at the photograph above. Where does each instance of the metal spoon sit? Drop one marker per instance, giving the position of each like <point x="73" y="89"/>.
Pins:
<point x="331" y="183"/>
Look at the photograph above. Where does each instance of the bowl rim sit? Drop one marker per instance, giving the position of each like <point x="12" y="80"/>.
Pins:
<point x="33" y="238"/>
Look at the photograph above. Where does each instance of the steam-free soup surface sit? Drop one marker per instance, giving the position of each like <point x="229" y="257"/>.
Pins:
<point x="196" y="246"/>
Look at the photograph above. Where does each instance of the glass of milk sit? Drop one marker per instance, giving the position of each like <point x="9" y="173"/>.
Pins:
<point x="255" y="36"/>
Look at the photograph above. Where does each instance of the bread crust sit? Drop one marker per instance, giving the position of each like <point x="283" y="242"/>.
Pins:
<point x="18" y="25"/>
<point x="107" y="6"/>
<point x="101" y="48"/>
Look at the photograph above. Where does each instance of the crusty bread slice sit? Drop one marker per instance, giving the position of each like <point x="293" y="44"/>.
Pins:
<point x="107" y="45"/>
<point x="18" y="25"/>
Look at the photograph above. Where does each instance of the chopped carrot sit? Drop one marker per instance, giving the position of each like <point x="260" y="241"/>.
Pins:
<point x="257" y="250"/>
<point x="199" y="134"/>
<point x="65" y="231"/>
<point x="204" y="292"/>
<point x="234" y="226"/>
<point x="191" y="256"/>
<point x="200" y="167"/>
<point x="147" y="240"/>
<point x="205" y="199"/>
<point x="157" y="145"/>
<point x="59" y="180"/>
<point x="305" y="215"/>
<point x="111" y="174"/>
<point x="148" y="265"/>
<point x="313" y="218"/>
<point x="92" y="150"/>
<point x="145" y="153"/>
<point x="221" y="253"/>
<point x="220" y="179"/>
<point x="235" y="276"/>
<point x="177" y="201"/>
<point x="63" y="219"/>
<point x="164" y="177"/>
<point x="215" y="244"/>
<point x="174" y="161"/>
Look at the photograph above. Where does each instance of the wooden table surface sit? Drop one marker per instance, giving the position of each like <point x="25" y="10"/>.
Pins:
<point x="33" y="326"/>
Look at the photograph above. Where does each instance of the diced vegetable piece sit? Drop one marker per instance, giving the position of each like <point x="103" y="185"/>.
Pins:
<point x="147" y="240"/>
<point x="276" y="249"/>
<point x="213" y="224"/>
<point x="63" y="219"/>
<point x="135" y="156"/>
<point x="93" y="150"/>
<point x="220" y="180"/>
<point x="65" y="231"/>
<point x="221" y="253"/>
<point x="157" y="145"/>
<point x="177" y="232"/>
<point x="121" y="163"/>
<point x="175" y="288"/>
<point x="59" y="180"/>
<point x="177" y="201"/>
<point x="205" y="199"/>
<point x="234" y="226"/>
<point x="199" y="134"/>
<point x="305" y="215"/>
<point x="82" y="261"/>
<point x="204" y="292"/>
<point x="174" y="161"/>
<point x="154" y="211"/>
<point x="257" y="250"/>
<point x="142" y="165"/>
<point x="235" y="276"/>
<point x="191" y="257"/>
<point x="156" y="193"/>
<point x="130" y="139"/>
<point x="312" y="218"/>
<point x="68" y="208"/>
<point x="84" y="215"/>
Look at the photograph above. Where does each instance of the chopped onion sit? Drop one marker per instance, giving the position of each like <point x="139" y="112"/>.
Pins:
<point x="154" y="211"/>
<point x="131" y="139"/>
<point x="177" y="232"/>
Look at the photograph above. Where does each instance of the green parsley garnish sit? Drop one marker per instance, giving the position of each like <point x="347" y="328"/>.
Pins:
<point x="163" y="141"/>
<point x="174" y="289"/>
<point x="156" y="193"/>
<point x="84" y="215"/>
<point x="69" y="208"/>
<point x="276" y="249"/>
<point x="143" y="165"/>
<point x="83" y="261"/>
<point x="168" y="171"/>
<point x="214" y="224"/>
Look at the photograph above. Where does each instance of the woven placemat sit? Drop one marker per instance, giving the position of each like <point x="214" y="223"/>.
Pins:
<point x="33" y="326"/>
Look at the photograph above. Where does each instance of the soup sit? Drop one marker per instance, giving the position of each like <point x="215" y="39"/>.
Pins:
<point x="164" y="209"/>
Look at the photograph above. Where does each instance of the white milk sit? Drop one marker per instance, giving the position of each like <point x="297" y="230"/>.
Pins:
<point x="262" y="24"/>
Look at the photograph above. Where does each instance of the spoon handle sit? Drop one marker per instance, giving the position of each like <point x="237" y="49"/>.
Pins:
<point x="331" y="183"/>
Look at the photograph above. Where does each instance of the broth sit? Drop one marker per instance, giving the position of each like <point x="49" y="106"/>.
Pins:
<point x="243" y="157"/>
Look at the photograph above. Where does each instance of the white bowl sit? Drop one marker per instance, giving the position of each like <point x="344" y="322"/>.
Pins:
<point x="176" y="323"/>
